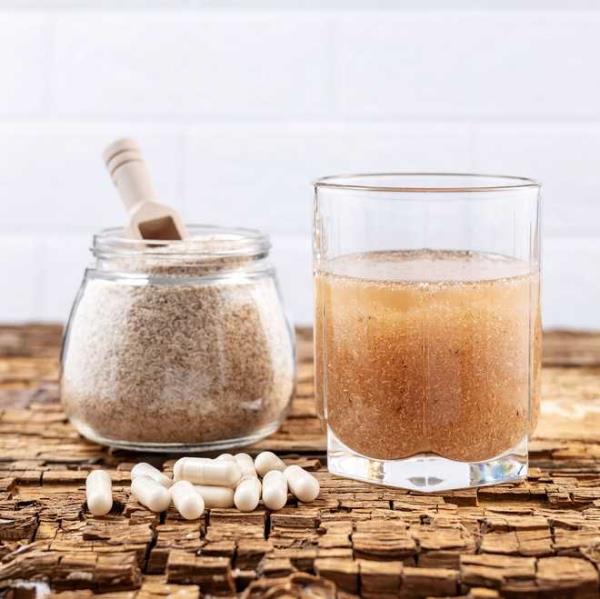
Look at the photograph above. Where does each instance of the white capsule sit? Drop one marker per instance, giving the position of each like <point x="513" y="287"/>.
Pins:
<point x="247" y="494"/>
<point x="246" y="464"/>
<point x="302" y="484"/>
<point x="225" y="457"/>
<point x="98" y="492"/>
<point x="187" y="500"/>
<point x="209" y="472"/>
<point x="143" y="469"/>
<point x="178" y="465"/>
<point x="177" y="468"/>
<point x="274" y="490"/>
<point x="221" y="497"/>
<point x="150" y="493"/>
<point x="267" y="461"/>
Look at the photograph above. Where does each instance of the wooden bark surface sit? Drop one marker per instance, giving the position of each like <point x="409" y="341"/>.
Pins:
<point x="539" y="539"/>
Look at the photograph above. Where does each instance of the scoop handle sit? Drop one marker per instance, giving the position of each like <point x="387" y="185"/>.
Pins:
<point x="129" y="172"/>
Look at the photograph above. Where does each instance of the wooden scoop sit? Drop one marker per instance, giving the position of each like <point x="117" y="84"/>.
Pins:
<point x="148" y="218"/>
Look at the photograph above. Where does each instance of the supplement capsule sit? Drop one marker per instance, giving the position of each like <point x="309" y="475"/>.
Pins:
<point x="247" y="494"/>
<point x="178" y="466"/>
<point x="150" y="493"/>
<point x="98" y="492"/>
<point x="210" y="472"/>
<point x="246" y="464"/>
<point x="302" y="484"/>
<point x="143" y="469"/>
<point x="215" y="496"/>
<point x="187" y="500"/>
<point x="274" y="490"/>
<point x="267" y="461"/>
<point x="225" y="457"/>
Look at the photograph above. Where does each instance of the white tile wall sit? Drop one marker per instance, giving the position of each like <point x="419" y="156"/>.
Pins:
<point x="292" y="259"/>
<point x="262" y="173"/>
<point x="571" y="283"/>
<point x="468" y="64"/>
<point x="564" y="157"/>
<point x="52" y="175"/>
<point x="63" y="260"/>
<point x="239" y="108"/>
<point x="24" y="51"/>
<point x="21" y="298"/>
<point x="190" y="63"/>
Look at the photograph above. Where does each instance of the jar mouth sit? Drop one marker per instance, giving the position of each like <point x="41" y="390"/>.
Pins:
<point x="204" y="242"/>
<point x="426" y="182"/>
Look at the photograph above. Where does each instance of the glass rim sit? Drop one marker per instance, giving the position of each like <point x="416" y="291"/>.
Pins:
<point x="205" y="241"/>
<point x="352" y="182"/>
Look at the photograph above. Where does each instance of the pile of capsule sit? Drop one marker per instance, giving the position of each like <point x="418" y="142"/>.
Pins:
<point x="199" y="483"/>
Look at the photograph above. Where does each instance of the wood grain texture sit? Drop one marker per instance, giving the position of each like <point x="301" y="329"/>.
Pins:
<point x="539" y="539"/>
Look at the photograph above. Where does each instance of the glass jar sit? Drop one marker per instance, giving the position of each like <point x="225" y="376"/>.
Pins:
<point x="178" y="345"/>
<point x="427" y="328"/>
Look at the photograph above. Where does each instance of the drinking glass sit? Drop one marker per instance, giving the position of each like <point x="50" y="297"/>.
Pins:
<point x="427" y="326"/>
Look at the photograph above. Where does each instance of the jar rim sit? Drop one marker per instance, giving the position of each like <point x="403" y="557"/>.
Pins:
<point x="426" y="182"/>
<point x="204" y="241"/>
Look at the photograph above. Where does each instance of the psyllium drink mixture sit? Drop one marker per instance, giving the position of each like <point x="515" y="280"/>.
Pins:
<point x="428" y="352"/>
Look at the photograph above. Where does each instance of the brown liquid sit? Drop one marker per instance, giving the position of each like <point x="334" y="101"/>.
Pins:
<point x="423" y="352"/>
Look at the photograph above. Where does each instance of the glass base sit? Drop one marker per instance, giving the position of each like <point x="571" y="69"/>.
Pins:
<point x="427" y="473"/>
<point x="210" y="446"/>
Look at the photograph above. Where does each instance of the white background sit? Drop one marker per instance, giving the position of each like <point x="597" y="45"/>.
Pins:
<point x="240" y="105"/>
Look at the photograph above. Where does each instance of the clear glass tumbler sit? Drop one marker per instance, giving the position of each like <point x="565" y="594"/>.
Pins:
<point x="427" y="327"/>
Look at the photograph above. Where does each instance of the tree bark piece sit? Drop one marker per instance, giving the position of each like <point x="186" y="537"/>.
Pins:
<point x="211" y="574"/>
